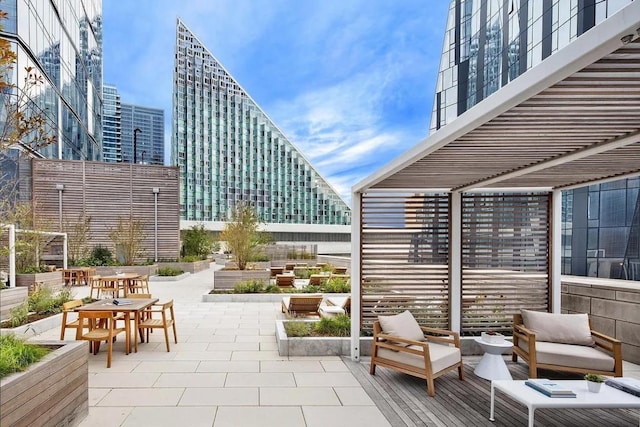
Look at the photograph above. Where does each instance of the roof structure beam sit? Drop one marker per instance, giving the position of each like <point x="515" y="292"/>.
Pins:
<point x="576" y="155"/>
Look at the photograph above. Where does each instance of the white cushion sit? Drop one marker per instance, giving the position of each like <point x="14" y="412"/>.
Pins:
<point x="574" y="356"/>
<point x="402" y="325"/>
<point x="442" y="356"/>
<point x="559" y="328"/>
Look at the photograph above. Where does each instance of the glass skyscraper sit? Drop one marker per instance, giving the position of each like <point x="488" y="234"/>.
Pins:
<point x="489" y="43"/>
<point x="111" y="125"/>
<point x="228" y="150"/>
<point x="149" y="139"/>
<point x="62" y="41"/>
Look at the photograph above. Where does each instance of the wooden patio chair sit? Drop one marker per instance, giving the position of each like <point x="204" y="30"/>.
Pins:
<point x="69" y="307"/>
<point x="164" y="318"/>
<point x="286" y="280"/>
<point x="399" y="343"/>
<point x="342" y="302"/>
<point x="139" y="285"/>
<point x="339" y="270"/>
<point x="101" y="326"/>
<point x="301" y="305"/>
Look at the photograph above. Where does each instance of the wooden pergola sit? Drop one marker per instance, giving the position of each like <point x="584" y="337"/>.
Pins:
<point x="465" y="227"/>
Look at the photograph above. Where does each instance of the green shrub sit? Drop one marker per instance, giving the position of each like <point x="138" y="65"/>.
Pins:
<point x="337" y="285"/>
<point x="249" y="287"/>
<point x="33" y="269"/>
<point x="169" y="271"/>
<point x="273" y="289"/>
<point x="338" y="326"/>
<point x="301" y="273"/>
<point x="192" y="258"/>
<point x="16" y="355"/>
<point x="298" y="329"/>
<point x="310" y="289"/>
<point x="41" y="300"/>
<point x="328" y="268"/>
<point x="19" y="315"/>
<point x="197" y="242"/>
<point x="259" y="258"/>
<point x="100" y="255"/>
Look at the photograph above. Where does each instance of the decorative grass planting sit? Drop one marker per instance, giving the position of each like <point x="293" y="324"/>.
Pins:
<point x="338" y="326"/>
<point x="169" y="271"/>
<point x="39" y="305"/>
<point x="16" y="355"/>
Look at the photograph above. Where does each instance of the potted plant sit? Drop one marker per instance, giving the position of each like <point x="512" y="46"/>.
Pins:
<point x="594" y="382"/>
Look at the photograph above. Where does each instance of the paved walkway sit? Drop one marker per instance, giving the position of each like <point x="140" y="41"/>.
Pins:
<point x="224" y="371"/>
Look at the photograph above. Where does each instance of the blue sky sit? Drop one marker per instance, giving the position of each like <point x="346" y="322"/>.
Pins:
<point x="350" y="82"/>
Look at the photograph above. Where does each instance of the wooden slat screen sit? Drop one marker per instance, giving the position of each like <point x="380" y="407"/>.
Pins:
<point x="505" y="250"/>
<point x="405" y="253"/>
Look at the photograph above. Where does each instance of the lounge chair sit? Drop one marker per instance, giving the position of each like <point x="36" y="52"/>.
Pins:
<point x="342" y="302"/>
<point x="564" y="342"/>
<point x="318" y="279"/>
<point x="301" y="305"/>
<point x="285" y="280"/>
<point x="399" y="343"/>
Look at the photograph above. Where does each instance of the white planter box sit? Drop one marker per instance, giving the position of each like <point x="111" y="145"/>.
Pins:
<point x="493" y="339"/>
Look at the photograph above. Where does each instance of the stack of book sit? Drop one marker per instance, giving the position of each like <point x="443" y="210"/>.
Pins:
<point x="549" y="388"/>
<point x="629" y="385"/>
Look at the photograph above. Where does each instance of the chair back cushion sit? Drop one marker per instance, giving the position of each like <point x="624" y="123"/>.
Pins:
<point x="402" y="325"/>
<point x="559" y="328"/>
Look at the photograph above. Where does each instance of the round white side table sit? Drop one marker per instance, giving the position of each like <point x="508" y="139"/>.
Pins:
<point x="492" y="366"/>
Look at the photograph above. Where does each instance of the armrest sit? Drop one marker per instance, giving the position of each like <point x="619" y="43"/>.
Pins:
<point x="448" y="337"/>
<point x="391" y="342"/>
<point x="526" y="334"/>
<point x="604" y="337"/>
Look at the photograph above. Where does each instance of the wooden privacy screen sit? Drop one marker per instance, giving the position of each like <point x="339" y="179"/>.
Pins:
<point x="505" y="258"/>
<point x="405" y="254"/>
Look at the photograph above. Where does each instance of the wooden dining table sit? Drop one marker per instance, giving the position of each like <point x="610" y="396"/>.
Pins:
<point x="122" y="281"/>
<point x="135" y="307"/>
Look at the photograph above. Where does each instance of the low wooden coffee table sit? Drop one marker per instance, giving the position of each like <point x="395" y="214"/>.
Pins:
<point x="608" y="397"/>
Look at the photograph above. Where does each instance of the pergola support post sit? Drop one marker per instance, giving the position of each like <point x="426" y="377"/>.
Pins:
<point x="356" y="255"/>
<point x="455" y="261"/>
<point x="555" y="256"/>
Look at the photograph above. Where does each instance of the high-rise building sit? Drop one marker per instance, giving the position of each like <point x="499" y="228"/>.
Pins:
<point x="228" y="150"/>
<point x="142" y="134"/>
<point x="111" y="125"/>
<point x="489" y="43"/>
<point x="62" y="41"/>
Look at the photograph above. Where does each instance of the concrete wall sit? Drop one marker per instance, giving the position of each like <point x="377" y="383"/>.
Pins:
<point x="613" y="305"/>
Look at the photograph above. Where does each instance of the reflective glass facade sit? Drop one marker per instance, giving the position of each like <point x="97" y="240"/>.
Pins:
<point x="489" y="43"/>
<point x="62" y="40"/>
<point x="228" y="150"/>
<point x="111" y="125"/>
<point x="601" y="230"/>
<point x="149" y="140"/>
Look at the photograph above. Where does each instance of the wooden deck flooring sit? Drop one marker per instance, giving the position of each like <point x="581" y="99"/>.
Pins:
<point x="404" y="401"/>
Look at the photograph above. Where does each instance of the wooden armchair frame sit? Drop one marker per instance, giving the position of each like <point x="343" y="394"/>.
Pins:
<point x="432" y="335"/>
<point x="528" y="354"/>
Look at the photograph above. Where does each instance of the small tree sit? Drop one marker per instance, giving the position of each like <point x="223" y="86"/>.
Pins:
<point x="241" y="234"/>
<point x="197" y="242"/>
<point x="128" y="237"/>
<point x="79" y="234"/>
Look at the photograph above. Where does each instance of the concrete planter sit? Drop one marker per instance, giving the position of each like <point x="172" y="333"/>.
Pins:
<point x="317" y="346"/>
<point x="52" y="392"/>
<point x="35" y="328"/>
<point x="10" y="298"/>
<point x="51" y="279"/>
<point x="168" y="278"/>
<point x="188" y="267"/>
<point x="227" y="279"/>
<point x="258" y="265"/>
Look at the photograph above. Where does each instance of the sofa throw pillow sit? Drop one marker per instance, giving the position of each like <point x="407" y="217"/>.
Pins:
<point x="558" y="328"/>
<point x="402" y="325"/>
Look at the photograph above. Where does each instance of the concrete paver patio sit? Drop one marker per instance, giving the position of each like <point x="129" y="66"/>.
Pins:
<point x="224" y="371"/>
